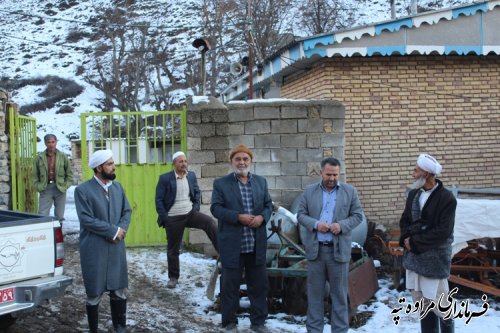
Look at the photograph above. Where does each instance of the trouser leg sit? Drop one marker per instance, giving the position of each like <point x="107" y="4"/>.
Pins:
<point x="59" y="204"/>
<point x="230" y="294"/>
<point x="316" y="280"/>
<point x="204" y="222"/>
<point x="175" y="232"/>
<point x="45" y="201"/>
<point x="338" y="273"/>
<point x="258" y="285"/>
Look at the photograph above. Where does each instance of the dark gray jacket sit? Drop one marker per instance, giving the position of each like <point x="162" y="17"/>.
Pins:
<point x="431" y="236"/>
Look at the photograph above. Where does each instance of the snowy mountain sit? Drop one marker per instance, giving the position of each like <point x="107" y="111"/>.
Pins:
<point x="48" y="49"/>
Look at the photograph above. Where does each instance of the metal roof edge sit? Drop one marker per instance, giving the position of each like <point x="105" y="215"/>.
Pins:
<point x="306" y="48"/>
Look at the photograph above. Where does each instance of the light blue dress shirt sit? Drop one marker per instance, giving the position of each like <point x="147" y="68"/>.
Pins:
<point x="327" y="212"/>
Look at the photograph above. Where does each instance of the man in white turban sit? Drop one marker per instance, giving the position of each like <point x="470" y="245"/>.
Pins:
<point x="99" y="157"/>
<point x="426" y="235"/>
<point x="104" y="214"/>
<point x="429" y="164"/>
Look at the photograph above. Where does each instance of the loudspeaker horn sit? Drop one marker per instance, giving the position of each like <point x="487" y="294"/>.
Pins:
<point x="236" y="68"/>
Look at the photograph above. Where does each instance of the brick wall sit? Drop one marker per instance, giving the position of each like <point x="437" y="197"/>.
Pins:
<point x="397" y="107"/>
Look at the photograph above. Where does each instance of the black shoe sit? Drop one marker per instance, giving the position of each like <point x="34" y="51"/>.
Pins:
<point x="231" y="327"/>
<point x="172" y="283"/>
<point x="260" y="328"/>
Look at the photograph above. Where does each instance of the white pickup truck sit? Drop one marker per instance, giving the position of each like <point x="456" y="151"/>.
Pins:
<point x="31" y="263"/>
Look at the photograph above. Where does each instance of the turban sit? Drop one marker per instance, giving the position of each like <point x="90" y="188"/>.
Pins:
<point x="99" y="157"/>
<point x="177" y="154"/>
<point x="428" y="163"/>
<point x="241" y="148"/>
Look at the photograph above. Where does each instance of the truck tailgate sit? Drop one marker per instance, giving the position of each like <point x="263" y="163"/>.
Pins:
<point x="27" y="251"/>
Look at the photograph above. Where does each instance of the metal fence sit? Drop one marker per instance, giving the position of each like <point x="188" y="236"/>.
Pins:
<point x="22" y="130"/>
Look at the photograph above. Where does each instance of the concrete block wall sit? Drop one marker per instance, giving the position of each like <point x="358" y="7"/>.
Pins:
<point x="288" y="139"/>
<point x="397" y="107"/>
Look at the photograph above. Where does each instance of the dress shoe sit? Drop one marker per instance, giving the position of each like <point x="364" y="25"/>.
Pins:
<point x="172" y="283"/>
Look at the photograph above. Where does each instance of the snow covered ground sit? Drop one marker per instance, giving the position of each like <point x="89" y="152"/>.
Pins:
<point x="196" y="268"/>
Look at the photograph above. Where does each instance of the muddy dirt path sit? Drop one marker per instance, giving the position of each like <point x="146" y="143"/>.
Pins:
<point x="151" y="307"/>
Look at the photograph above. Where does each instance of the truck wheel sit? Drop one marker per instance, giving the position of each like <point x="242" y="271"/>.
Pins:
<point x="6" y="321"/>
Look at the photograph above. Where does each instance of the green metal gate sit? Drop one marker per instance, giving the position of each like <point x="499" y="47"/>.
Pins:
<point x="22" y="130"/>
<point x="143" y="144"/>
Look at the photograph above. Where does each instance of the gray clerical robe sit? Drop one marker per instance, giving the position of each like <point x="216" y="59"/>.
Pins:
<point x="104" y="264"/>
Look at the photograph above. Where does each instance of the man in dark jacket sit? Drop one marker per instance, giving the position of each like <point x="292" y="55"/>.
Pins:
<point x="104" y="214"/>
<point x="178" y="205"/>
<point x="427" y="234"/>
<point x="242" y="204"/>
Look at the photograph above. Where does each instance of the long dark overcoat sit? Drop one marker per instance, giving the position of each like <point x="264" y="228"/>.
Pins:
<point x="104" y="264"/>
<point x="227" y="203"/>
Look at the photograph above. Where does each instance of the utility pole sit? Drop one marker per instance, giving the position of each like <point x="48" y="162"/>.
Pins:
<point x="393" y="9"/>
<point x="250" y="50"/>
<point x="414" y="7"/>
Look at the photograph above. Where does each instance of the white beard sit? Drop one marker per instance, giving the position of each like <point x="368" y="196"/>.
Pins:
<point x="241" y="172"/>
<point x="419" y="183"/>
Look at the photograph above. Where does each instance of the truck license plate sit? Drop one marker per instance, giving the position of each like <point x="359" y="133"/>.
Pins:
<point x="6" y="295"/>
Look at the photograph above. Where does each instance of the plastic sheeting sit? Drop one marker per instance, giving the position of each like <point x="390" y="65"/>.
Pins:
<point x="474" y="219"/>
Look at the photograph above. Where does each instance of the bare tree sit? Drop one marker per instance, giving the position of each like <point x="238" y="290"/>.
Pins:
<point x="138" y="64"/>
<point x="321" y="16"/>
<point x="269" y="22"/>
<point x="223" y="27"/>
<point x="120" y="68"/>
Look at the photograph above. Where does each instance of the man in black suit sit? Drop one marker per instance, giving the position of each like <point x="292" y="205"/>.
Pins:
<point x="242" y="204"/>
<point x="178" y="205"/>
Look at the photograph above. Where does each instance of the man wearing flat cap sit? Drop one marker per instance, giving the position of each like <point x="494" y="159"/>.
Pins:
<point x="426" y="235"/>
<point x="178" y="207"/>
<point x="104" y="213"/>
<point x="242" y="204"/>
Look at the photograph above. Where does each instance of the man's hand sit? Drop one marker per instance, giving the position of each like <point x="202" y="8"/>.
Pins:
<point x="335" y="228"/>
<point x="250" y="220"/>
<point x="121" y="234"/>
<point x="407" y="243"/>
<point x="245" y="219"/>
<point x="323" y="227"/>
<point x="256" y="222"/>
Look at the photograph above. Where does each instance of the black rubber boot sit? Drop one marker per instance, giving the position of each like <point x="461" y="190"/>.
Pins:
<point x="93" y="318"/>
<point x="119" y="314"/>
<point x="430" y="323"/>
<point x="447" y="326"/>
